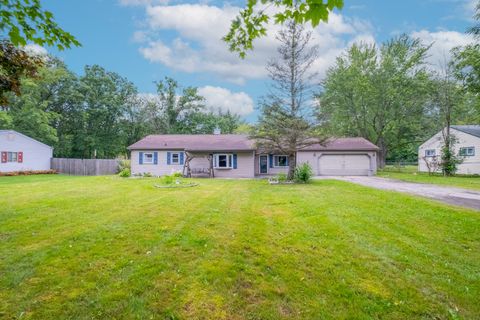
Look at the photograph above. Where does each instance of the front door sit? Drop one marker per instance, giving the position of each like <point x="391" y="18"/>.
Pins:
<point x="263" y="164"/>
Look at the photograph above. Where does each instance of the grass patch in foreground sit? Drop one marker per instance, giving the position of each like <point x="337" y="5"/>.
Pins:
<point x="106" y="247"/>
<point x="467" y="182"/>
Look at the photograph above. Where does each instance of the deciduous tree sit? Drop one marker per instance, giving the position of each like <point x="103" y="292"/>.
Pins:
<point x="378" y="93"/>
<point x="23" y="21"/>
<point x="251" y="22"/>
<point x="15" y="64"/>
<point x="447" y="98"/>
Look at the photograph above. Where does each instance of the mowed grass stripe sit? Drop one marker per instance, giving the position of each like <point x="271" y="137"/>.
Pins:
<point x="105" y="247"/>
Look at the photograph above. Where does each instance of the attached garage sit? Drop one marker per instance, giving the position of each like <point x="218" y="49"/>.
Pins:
<point x="344" y="165"/>
<point x="341" y="157"/>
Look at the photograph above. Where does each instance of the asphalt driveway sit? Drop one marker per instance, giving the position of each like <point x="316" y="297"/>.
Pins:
<point x="451" y="195"/>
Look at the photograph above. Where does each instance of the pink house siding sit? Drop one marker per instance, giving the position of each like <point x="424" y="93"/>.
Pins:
<point x="337" y="156"/>
<point x="159" y="169"/>
<point x="271" y="171"/>
<point x="245" y="164"/>
<point x="308" y="157"/>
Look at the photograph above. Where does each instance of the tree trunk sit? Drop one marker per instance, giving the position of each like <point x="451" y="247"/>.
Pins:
<point x="292" y="164"/>
<point x="382" y="153"/>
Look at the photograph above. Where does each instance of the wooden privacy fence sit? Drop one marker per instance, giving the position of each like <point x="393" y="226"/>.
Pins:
<point x="85" y="167"/>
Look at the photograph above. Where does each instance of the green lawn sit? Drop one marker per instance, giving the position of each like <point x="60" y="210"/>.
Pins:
<point x="410" y="173"/>
<point x="112" y="248"/>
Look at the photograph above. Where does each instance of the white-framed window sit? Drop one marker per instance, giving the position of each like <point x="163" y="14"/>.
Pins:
<point x="430" y="153"/>
<point x="175" y="158"/>
<point x="148" y="158"/>
<point x="223" y="161"/>
<point x="280" y="161"/>
<point x="12" y="156"/>
<point x="467" y="151"/>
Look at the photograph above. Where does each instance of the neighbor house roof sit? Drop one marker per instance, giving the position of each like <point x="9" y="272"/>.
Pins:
<point x="195" y="142"/>
<point x="473" y="130"/>
<point x="343" y="144"/>
<point x="237" y="142"/>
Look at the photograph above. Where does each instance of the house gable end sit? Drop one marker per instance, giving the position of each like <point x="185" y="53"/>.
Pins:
<point x="22" y="136"/>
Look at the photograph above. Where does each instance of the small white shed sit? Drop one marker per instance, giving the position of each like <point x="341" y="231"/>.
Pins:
<point x="22" y="153"/>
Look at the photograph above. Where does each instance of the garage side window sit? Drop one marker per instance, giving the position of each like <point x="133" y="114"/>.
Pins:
<point x="467" y="152"/>
<point x="430" y="153"/>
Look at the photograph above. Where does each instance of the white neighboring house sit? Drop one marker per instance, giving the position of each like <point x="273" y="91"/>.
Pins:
<point x="467" y="145"/>
<point x="22" y="153"/>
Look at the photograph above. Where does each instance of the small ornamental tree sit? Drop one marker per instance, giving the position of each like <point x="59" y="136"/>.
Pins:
<point x="432" y="164"/>
<point x="450" y="161"/>
<point x="446" y="95"/>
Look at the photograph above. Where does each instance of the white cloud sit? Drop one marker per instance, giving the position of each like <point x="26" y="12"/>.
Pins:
<point x="442" y="42"/>
<point x="142" y="2"/>
<point x="140" y="36"/>
<point x="187" y="37"/>
<point x="221" y="99"/>
<point x="197" y="44"/>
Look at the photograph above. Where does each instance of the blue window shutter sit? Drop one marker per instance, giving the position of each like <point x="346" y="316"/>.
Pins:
<point x="155" y="158"/>
<point x="169" y="156"/>
<point x="181" y="158"/>
<point x="140" y="157"/>
<point x="270" y="159"/>
<point x="234" y="161"/>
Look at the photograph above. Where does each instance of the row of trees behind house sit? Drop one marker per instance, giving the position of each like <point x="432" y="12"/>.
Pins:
<point x="387" y="94"/>
<point x="100" y="113"/>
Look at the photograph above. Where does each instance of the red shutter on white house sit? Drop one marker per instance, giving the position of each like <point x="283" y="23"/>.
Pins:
<point x="20" y="157"/>
<point x="4" y="156"/>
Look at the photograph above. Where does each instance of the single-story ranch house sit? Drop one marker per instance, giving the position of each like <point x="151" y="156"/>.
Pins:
<point x="467" y="146"/>
<point x="236" y="156"/>
<point x="22" y="153"/>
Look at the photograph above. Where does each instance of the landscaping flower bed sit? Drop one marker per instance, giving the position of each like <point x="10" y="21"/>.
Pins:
<point x="26" y="173"/>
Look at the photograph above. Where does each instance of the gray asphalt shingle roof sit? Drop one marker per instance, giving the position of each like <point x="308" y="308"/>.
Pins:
<point x="236" y="142"/>
<point x="344" y="144"/>
<point x="474" y="129"/>
<point x="195" y="142"/>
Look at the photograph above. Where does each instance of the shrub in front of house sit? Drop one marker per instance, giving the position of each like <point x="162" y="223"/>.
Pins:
<point x="282" y="177"/>
<point x="303" y="173"/>
<point x="123" y="164"/>
<point x="125" y="173"/>
<point x="168" y="179"/>
<point x="177" y="174"/>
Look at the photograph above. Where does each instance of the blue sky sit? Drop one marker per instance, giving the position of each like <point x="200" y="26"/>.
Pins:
<point x="146" y="40"/>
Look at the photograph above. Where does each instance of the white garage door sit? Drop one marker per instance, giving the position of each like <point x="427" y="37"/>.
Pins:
<point x="344" y="165"/>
